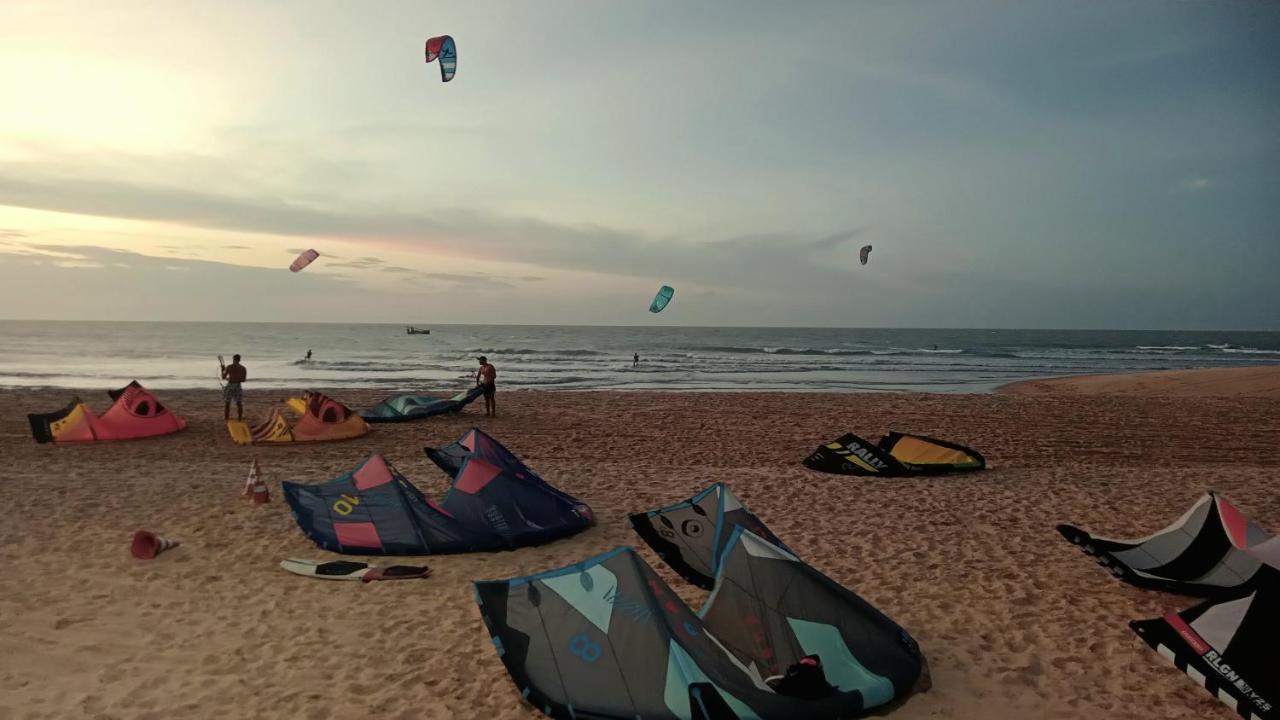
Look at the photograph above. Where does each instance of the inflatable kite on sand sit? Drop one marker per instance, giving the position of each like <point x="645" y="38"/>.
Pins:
<point x="691" y="535"/>
<point x="418" y="407"/>
<point x="608" y="638"/>
<point x="493" y="503"/>
<point x="320" y="419"/>
<point x="135" y="414"/>
<point x="1228" y="644"/>
<point x="1210" y="551"/>
<point x="896" y="454"/>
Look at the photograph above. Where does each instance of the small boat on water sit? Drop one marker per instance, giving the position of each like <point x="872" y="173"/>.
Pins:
<point x="411" y="330"/>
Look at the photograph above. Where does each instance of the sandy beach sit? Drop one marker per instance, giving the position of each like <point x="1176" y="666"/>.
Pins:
<point x="1015" y="622"/>
<point x="1263" y="381"/>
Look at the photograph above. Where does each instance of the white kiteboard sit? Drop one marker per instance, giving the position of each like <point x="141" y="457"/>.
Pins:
<point x="351" y="570"/>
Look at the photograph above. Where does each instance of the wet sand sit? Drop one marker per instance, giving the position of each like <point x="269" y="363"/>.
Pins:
<point x="1014" y="621"/>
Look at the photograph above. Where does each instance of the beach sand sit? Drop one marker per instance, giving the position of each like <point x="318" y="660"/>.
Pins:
<point x="1261" y="381"/>
<point x="1014" y="621"/>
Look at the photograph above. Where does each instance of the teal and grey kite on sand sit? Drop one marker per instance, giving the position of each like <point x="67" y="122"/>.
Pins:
<point x="661" y="299"/>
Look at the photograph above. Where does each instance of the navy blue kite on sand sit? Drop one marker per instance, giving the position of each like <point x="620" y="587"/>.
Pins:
<point x="691" y="535"/>
<point x="418" y="407"/>
<point x="607" y="638"/>
<point x="374" y="510"/>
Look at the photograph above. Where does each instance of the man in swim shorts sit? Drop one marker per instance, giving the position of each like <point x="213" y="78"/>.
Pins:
<point x="234" y="374"/>
<point x="487" y="378"/>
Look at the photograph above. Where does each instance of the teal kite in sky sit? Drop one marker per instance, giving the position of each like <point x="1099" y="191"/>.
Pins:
<point x="661" y="299"/>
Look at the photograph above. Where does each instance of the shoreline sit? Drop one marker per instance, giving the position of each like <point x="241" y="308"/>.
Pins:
<point x="1251" y="381"/>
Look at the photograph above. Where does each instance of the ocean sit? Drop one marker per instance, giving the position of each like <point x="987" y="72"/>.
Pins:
<point x="184" y="355"/>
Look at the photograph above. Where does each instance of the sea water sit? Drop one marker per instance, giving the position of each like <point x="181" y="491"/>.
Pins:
<point x="184" y="355"/>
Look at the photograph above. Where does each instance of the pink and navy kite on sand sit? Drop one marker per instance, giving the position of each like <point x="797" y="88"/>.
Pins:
<point x="494" y="503"/>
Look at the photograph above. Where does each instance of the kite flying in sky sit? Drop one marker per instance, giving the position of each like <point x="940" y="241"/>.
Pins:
<point x="442" y="48"/>
<point x="864" y="253"/>
<point x="303" y="260"/>
<point x="661" y="299"/>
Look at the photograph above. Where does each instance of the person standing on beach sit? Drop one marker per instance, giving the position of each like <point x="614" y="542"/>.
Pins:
<point x="635" y="360"/>
<point x="487" y="378"/>
<point x="308" y="355"/>
<point x="234" y="374"/>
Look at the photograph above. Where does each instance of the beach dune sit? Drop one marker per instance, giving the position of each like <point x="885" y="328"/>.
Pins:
<point x="1014" y="621"/>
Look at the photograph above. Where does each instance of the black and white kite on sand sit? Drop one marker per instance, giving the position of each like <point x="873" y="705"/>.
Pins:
<point x="690" y="535"/>
<point x="1213" y="548"/>
<point x="1228" y="644"/>
<point x="607" y="638"/>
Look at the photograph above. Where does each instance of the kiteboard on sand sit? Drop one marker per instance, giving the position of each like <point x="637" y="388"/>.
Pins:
<point x="240" y="432"/>
<point x="350" y="570"/>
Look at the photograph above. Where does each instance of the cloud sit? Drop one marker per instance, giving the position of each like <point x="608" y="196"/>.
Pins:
<point x="361" y="263"/>
<point x="834" y="241"/>
<point x="165" y="289"/>
<point x="747" y="261"/>
<point x="398" y="269"/>
<point x="1195" y="183"/>
<point x="75" y="264"/>
<point x="236" y="247"/>
<point x="472" y="279"/>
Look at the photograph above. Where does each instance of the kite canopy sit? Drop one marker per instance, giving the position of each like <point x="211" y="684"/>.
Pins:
<point x="1212" y="549"/>
<point x="135" y="414"/>
<point x="374" y="510"/>
<point x="303" y="260"/>
<point x="442" y="47"/>
<point x="661" y="299"/>
<point x="690" y="535"/>
<point x="864" y="253"/>
<point x="895" y="455"/>
<point x="926" y="455"/>
<point x="607" y="638"/>
<point x="320" y="418"/>
<point x="1228" y="644"/>
<point x="418" y="407"/>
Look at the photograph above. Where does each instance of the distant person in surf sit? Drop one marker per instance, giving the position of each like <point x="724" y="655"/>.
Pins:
<point x="234" y="374"/>
<point x="487" y="378"/>
<point x="308" y="357"/>
<point x="635" y="360"/>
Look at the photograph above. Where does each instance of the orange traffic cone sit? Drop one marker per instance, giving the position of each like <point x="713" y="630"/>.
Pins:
<point x="260" y="494"/>
<point x="147" y="545"/>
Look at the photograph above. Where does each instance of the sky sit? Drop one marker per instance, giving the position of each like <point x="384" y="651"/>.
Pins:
<point x="1034" y="164"/>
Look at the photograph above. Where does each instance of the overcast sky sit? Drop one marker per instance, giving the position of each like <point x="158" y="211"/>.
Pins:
<point x="1030" y="164"/>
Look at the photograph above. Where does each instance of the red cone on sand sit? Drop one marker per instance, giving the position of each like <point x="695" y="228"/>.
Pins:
<point x="147" y="545"/>
<point x="254" y="487"/>
<point x="254" y="472"/>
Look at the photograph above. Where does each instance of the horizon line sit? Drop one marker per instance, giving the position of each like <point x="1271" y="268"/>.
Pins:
<point x="666" y="327"/>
